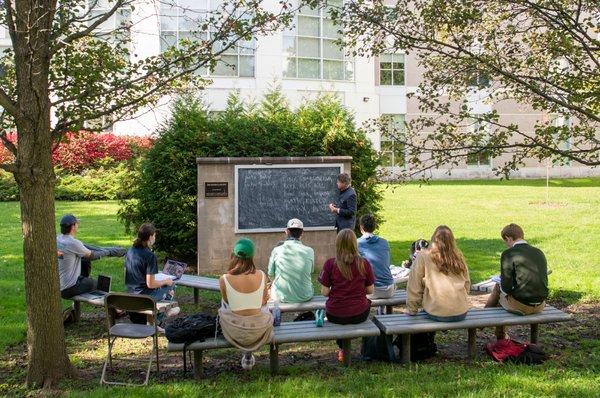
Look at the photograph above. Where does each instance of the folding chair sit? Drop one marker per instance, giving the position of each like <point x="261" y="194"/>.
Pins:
<point x="131" y="303"/>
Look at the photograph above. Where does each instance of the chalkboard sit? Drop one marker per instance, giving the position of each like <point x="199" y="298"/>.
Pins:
<point x="268" y="196"/>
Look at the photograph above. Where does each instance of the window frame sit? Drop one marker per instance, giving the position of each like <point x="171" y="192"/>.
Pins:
<point x="393" y="151"/>
<point x="347" y="63"/>
<point x="392" y="70"/>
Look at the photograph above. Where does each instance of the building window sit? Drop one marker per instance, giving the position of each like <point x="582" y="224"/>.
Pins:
<point x="117" y="26"/>
<point x="392" y="150"/>
<point x="182" y="19"/>
<point x="391" y="69"/>
<point x="479" y="79"/>
<point x="481" y="158"/>
<point x="310" y="49"/>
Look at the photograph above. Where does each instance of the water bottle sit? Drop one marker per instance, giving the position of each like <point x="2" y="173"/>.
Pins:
<point x="276" y="314"/>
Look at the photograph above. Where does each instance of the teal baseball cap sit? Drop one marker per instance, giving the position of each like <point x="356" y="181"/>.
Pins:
<point x="244" y="248"/>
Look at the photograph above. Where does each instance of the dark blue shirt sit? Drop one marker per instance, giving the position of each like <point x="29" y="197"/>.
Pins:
<point x="139" y="262"/>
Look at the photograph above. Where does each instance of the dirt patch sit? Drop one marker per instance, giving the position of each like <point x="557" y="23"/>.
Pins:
<point x="86" y="342"/>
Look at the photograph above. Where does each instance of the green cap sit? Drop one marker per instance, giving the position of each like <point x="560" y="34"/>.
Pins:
<point x="244" y="248"/>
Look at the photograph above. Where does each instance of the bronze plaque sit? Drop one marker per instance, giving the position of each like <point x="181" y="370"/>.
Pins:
<point x="216" y="189"/>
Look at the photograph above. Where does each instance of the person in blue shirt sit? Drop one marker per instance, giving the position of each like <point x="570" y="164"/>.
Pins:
<point x="377" y="251"/>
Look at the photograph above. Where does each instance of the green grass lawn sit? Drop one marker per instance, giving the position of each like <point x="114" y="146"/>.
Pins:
<point x="566" y="229"/>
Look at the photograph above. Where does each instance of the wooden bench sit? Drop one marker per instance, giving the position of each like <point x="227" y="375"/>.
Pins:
<point x="96" y="301"/>
<point x="405" y="325"/>
<point x="288" y="332"/>
<point x="198" y="282"/>
<point x="318" y="302"/>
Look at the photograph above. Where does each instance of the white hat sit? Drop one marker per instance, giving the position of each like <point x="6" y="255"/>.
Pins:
<point x="295" y="223"/>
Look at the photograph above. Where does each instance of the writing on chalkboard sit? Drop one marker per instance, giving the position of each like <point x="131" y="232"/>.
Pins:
<point x="268" y="196"/>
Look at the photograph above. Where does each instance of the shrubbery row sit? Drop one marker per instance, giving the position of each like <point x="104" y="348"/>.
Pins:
<point x="167" y="188"/>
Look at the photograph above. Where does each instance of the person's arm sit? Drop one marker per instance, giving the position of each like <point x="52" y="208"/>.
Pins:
<point x="325" y="279"/>
<point x="265" y="293"/>
<point x="414" y="287"/>
<point x="351" y="210"/>
<point x="271" y="267"/>
<point x="370" y="278"/>
<point x="151" y="270"/>
<point x="506" y="273"/>
<point x="78" y="248"/>
<point x="222" y="289"/>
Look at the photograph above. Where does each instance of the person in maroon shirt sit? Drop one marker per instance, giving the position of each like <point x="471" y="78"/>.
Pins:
<point x="346" y="280"/>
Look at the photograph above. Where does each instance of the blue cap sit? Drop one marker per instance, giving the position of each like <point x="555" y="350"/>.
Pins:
<point x="68" y="219"/>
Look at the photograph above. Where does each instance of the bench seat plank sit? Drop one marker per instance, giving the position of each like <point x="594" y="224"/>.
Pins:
<point x="292" y="332"/>
<point x="318" y="302"/>
<point x="198" y="282"/>
<point x="476" y="318"/>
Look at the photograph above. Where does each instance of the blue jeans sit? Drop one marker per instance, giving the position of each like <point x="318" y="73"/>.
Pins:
<point x="454" y="318"/>
<point x="159" y="294"/>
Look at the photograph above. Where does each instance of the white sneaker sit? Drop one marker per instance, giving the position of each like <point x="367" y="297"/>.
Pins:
<point x="172" y="312"/>
<point x="248" y="361"/>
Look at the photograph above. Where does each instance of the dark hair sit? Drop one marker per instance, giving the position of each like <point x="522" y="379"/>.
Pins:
<point x="344" y="177"/>
<point x="417" y="245"/>
<point x="368" y="223"/>
<point x="144" y="233"/>
<point x="66" y="229"/>
<point x="295" y="233"/>
<point x="512" y="231"/>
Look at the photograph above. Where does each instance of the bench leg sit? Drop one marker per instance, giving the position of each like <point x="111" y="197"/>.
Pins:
<point x="535" y="333"/>
<point x="274" y="358"/>
<point x="196" y="296"/>
<point x="76" y="311"/>
<point x="405" y="354"/>
<point x="198" y="365"/>
<point x="389" y="309"/>
<point x="472" y="343"/>
<point x="346" y="347"/>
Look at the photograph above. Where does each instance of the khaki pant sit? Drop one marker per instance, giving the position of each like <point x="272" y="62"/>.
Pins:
<point x="500" y="299"/>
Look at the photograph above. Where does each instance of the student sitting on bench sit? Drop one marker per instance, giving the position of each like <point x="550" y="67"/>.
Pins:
<point x="291" y="265"/>
<point x="74" y="259"/>
<point x="439" y="280"/>
<point x="245" y="320"/>
<point x="346" y="280"/>
<point x="377" y="251"/>
<point x="523" y="286"/>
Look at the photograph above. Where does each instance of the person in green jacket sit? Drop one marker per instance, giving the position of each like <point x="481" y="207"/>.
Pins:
<point x="523" y="286"/>
<point x="291" y="266"/>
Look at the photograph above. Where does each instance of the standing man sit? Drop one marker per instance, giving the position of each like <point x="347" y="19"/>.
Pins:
<point x="345" y="209"/>
<point x="523" y="287"/>
<point x="291" y="266"/>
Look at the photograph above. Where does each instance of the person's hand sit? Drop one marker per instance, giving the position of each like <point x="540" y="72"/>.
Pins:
<point x="59" y="253"/>
<point x="407" y="312"/>
<point x="170" y="282"/>
<point x="172" y="293"/>
<point x="332" y="208"/>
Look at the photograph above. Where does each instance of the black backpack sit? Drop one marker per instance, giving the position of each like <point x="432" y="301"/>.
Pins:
<point x="422" y="345"/>
<point x="188" y="329"/>
<point x="531" y="355"/>
<point x="191" y="328"/>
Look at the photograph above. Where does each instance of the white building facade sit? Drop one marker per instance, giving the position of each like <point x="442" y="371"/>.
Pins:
<point x="304" y="62"/>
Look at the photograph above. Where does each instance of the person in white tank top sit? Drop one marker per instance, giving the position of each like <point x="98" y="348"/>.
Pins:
<point x="244" y="317"/>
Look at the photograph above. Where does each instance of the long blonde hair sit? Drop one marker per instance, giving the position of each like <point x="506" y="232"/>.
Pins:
<point x="346" y="253"/>
<point x="445" y="254"/>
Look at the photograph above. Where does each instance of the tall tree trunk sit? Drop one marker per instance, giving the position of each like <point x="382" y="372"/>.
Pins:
<point x="30" y="28"/>
<point x="48" y="360"/>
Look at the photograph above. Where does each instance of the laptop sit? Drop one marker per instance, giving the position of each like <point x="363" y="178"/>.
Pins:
<point x="172" y="270"/>
<point x="102" y="286"/>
